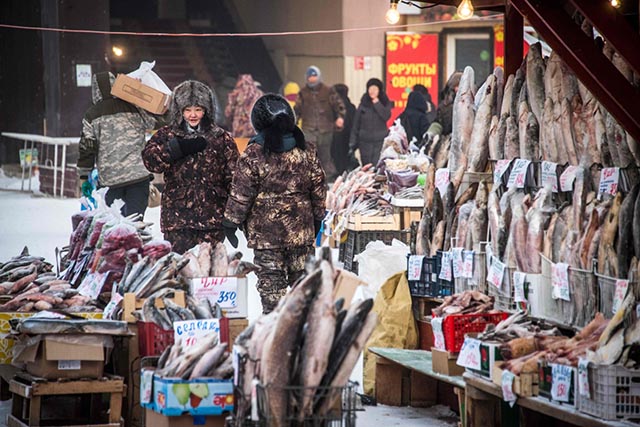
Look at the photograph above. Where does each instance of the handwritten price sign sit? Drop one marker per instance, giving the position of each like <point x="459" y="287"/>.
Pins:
<point x="518" y="283"/>
<point x="560" y="281"/>
<point x="500" y="169"/>
<point x="442" y="180"/>
<point x="113" y="305"/>
<point x="188" y="332"/>
<point x="415" y="267"/>
<point x="567" y="178"/>
<point x="496" y="272"/>
<point x="609" y="178"/>
<point x="467" y="268"/>
<point x="445" y="269"/>
<point x="583" y="378"/>
<point x="620" y="294"/>
<point x="519" y="173"/>
<point x="458" y="266"/>
<point x="218" y="290"/>
<point x="549" y="176"/>
<point x="560" y="382"/>
<point x="438" y="335"/>
<point x="507" y="387"/>
<point x="92" y="284"/>
<point x="469" y="356"/>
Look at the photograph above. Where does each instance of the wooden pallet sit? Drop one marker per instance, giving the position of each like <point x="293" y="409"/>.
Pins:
<point x="28" y="393"/>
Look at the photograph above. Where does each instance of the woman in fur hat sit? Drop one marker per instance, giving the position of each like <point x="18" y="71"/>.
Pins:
<point x="370" y="123"/>
<point x="278" y="197"/>
<point x="197" y="158"/>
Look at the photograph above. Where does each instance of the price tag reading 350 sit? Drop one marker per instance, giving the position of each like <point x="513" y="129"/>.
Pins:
<point x="218" y="290"/>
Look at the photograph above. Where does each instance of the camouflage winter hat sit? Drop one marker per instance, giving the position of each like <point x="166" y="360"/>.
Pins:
<point x="192" y="93"/>
<point x="267" y="107"/>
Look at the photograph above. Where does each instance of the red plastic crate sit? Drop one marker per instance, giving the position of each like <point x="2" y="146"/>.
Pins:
<point x="153" y="340"/>
<point x="455" y="326"/>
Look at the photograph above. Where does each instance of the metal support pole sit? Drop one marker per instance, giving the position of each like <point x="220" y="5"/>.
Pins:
<point x="55" y="169"/>
<point x="31" y="164"/>
<point x="64" y="167"/>
<point x="23" y="165"/>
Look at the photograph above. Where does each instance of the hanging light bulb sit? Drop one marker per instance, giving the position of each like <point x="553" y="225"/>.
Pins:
<point x="465" y="9"/>
<point x="615" y="3"/>
<point x="393" y="16"/>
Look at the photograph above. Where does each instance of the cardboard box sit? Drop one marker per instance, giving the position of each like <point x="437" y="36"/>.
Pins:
<point x="230" y="293"/>
<point x="545" y="379"/>
<point x="425" y="332"/>
<point x="64" y="356"/>
<point x="524" y="385"/>
<point x="358" y="222"/>
<point x="489" y="355"/>
<point x="444" y="362"/>
<point x="133" y="91"/>
<point x="346" y="285"/>
<point x="153" y="419"/>
<point x="201" y="396"/>
<point x="6" y="344"/>
<point x="236" y="326"/>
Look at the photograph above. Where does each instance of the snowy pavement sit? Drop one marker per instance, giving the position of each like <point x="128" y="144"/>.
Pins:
<point x="44" y="224"/>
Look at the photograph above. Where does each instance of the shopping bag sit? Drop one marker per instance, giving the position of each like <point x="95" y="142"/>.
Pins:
<point x="145" y="74"/>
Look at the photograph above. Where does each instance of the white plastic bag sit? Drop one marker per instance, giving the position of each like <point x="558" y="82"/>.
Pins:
<point x="378" y="262"/>
<point x="145" y="74"/>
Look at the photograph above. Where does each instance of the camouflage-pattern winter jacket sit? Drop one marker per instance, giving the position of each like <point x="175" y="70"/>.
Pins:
<point x="113" y="137"/>
<point x="196" y="186"/>
<point x="277" y="197"/>
<point x="319" y="107"/>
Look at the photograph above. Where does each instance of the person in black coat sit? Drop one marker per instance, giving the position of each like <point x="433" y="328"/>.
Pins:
<point x="431" y="108"/>
<point x="414" y="117"/>
<point x="340" y="144"/>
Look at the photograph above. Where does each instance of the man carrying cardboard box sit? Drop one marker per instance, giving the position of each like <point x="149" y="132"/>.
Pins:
<point x="113" y="135"/>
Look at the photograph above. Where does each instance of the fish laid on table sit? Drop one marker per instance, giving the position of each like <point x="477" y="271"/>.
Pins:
<point x="467" y="302"/>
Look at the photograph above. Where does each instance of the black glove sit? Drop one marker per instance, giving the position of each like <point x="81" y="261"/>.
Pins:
<point x="229" y="229"/>
<point x="317" y="225"/>
<point x="182" y="147"/>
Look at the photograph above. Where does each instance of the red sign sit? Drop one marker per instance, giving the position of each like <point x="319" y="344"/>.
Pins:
<point x="411" y="59"/>
<point x="358" y="62"/>
<point x="498" y="47"/>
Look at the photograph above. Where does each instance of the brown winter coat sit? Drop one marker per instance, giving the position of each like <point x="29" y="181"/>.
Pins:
<point x="319" y="107"/>
<point x="196" y="186"/>
<point x="277" y="197"/>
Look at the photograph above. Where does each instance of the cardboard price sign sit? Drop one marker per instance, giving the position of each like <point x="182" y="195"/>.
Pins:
<point x="218" y="290"/>
<point x="415" y="267"/>
<point x="507" y="387"/>
<point x="458" y="263"/>
<point x="146" y="386"/>
<point x="619" y="294"/>
<point x="469" y="356"/>
<point x="496" y="272"/>
<point x="188" y="332"/>
<point x="500" y="168"/>
<point x="560" y="382"/>
<point x="518" y="283"/>
<point x="467" y="267"/>
<point x="438" y="335"/>
<point x="583" y="378"/>
<point x="92" y="284"/>
<point x="560" y="281"/>
<point x="567" y="178"/>
<point x="445" y="269"/>
<point x="518" y="175"/>
<point x="609" y="179"/>
<point x="442" y="180"/>
<point x="113" y="304"/>
<point x="549" y="176"/>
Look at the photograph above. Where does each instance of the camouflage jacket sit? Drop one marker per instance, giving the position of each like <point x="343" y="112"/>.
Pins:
<point x="277" y="197"/>
<point x="196" y="186"/>
<point x="113" y="135"/>
<point x="319" y="107"/>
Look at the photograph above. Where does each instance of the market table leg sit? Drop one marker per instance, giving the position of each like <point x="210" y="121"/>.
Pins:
<point x="34" y="410"/>
<point x="480" y="408"/>
<point x="389" y="379"/>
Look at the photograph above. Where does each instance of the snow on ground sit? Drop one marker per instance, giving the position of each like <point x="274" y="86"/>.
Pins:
<point x="44" y="223"/>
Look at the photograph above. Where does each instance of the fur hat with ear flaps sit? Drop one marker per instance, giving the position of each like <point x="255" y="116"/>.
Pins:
<point x="273" y="117"/>
<point x="192" y="93"/>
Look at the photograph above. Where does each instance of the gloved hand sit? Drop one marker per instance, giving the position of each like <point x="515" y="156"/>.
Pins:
<point x="86" y="188"/>
<point x="317" y="225"/>
<point x="182" y="147"/>
<point x="229" y="229"/>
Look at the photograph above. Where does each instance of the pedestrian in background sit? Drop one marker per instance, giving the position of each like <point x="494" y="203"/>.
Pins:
<point x="340" y="145"/>
<point x="431" y="108"/>
<point x="197" y="158"/>
<point x="290" y="92"/>
<point x="239" y="103"/>
<point x="370" y="122"/>
<point x="113" y="135"/>
<point x="414" y="117"/>
<point x="321" y="111"/>
<point x="277" y="197"/>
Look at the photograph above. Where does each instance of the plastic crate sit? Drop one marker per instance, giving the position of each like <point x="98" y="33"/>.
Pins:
<point x="456" y="326"/>
<point x="583" y="294"/>
<point x="426" y="286"/>
<point x="152" y="339"/>
<point x="357" y="241"/>
<point x="615" y="393"/>
<point x="606" y="291"/>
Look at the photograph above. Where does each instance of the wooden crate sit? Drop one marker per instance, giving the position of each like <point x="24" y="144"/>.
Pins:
<point x="131" y="304"/>
<point x="407" y="215"/>
<point x="524" y="385"/>
<point x="375" y="223"/>
<point x="28" y="393"/>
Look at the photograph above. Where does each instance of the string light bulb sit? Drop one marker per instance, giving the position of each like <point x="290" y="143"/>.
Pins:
<point x="392" y="16"/>
<point x="465" y="9"/>
<point x="615" y="3"/>
<point x="117" y="51"/>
